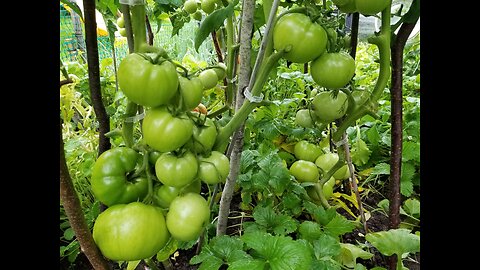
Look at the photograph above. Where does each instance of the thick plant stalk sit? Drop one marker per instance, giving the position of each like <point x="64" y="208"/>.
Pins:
<point x="354" y="34"/>
<point x="94" y="75"/>
<point x="76" y="217"/>
<point x="397" y="127"/>
<point x="243" y="81"/>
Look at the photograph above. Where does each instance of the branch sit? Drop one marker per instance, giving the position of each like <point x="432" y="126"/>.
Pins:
<point x="94" y="75"/>
<point x="76" y="217"/>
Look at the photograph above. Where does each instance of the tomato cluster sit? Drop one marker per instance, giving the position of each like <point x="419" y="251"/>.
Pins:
<point x="311" y="162"/>
<point x="152" y="190"/>
<point x="195" y="7"/>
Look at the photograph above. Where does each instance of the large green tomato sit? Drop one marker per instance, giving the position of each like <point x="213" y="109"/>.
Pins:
<point x="145" y="83"/>
<point x="163" y="195"/>
<point x="208" y="6"/>
<point x="304" y="171"/>
<point x="329" y="108"/>
<point x="111" y="179"/>
<point x="326" y="162"/>
<point x="204" y="136"/>
<point x="209" y="78"/>
<point x="176" y="171"/>
<point x="164" y="132"/>
<point x="333" y="70"/>
<point x="371" y="7"/>
<point x="187" y="216"/>
<point x="130" y="232"/>
<point x="214" y="168"/>
<point x="305" y="150"/>
<point x="305" y="118"/>
<point x="191" y="91"/>
<point x="308" y="40"/>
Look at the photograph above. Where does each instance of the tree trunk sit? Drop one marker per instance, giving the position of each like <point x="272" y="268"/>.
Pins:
<point x="94" y="75"/>
<point x="76" y="217"/>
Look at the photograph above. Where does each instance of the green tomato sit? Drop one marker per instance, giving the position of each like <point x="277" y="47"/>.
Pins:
<point x="111" y="179"/>
<point x="209" y="78"/>
<point x="307" y="151"/>
<point x="221" y="70"/>
<point x="333" y="70"/>
<point x="326" y="162"/>
<point x="153" y="156"/>
<point x="327" y="189"/>
<point x="191" y="91"/>
<point x="190" y="6"/>
<point x="214" y="168"/>
<point x="130" y="232"/>
<point x="304" y="171"/>
<point x="164" y="132"/>
<point x="147" y="84"/>
<point x="371" y="7"/>
<point x="204" y="136"/>
<point x="208" y="6"/>
<point x="187" y="216"/>
<point x="308" y="40"/>
<point x="329" y="108"/>
<point x="176" y="171"/>
<point x="122" y="32"/>
<point x="305" y="118"/>
<point x="340" y="2"/>
<point x="163" y="195"/>
<point x="121" y="22"/>
<point x="197" y="15"/>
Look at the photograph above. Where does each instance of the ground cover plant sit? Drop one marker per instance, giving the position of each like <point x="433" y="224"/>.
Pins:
<point x="294" y="146"/>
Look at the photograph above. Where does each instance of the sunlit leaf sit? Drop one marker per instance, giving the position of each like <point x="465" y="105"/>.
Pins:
<point x="394" y="241"/>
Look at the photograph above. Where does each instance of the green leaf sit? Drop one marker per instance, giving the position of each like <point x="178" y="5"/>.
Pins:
<point x="178" y="20"/>
<point x="339" y="225"/>
<point x="176" y="3"/>
<point x="326" y="246"/>
<point x="319" y="213"/>
<point x="74" y="7"/>
<point x="310" y="230"/>
<point x="228" y="248"/>
<point x="167" y="250"/>
<point x="248" y="160"/>
<point x="411" y="151"/>
<point x="373" y="135"/>
<point x="394" y="241"/>
<point x="277" y="223"/>
<point x="349" y="254"/>
<point x="325" y="265"/>
<point x="412" y="207"/>
<point x="381" y="168"/>
<point x="258" y="16"/>
<point x="360" y="266"/>
<point x="132" y="265"/>
<point x="360" y="152"/>
<point x="406" y="185"/>
<point x="247" y="264"/>
<point x="211" y="263"/>
<point x="280" y="252"/>
<point x="212" y="23"/>
<point x="69" y="234"/>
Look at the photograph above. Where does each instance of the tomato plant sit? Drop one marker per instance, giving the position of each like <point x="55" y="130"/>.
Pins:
<point x="333" y="70"/>
<point x="165" y="132"/>
<point x="146" y="81"/>
<point x="111" y="179"/>
<point x="329" y="107"/>
<point x="187" y="216"/>
<point x="129" y="232"/>
<point x="307" y="39"/>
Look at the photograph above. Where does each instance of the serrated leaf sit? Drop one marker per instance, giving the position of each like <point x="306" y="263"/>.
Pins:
<point x="319" y="213"/>
<point x="211" y="263"/>
<point x="310" y="230"/>
<point x="381" y="168"/>
<point x="325" y="265"/>
<point x="247" y="160"/>
<point x="406" y="185"/>
<point x="278" y="223"/>
<point x="228" y="248"/>
<point x="179" y="19"/>
<point x="167" y="250"/>
<point x="339" y="225"/>
<point x="326" y="246"/>
<point x="212" y="23"/>
<point x="410" y="151"/>
<point x="247" y="264"/>
<point x="280" y="252"/>
<point x="349" y="254"/>
<point x="360" y="153"/>
<point x="394" y="241"/>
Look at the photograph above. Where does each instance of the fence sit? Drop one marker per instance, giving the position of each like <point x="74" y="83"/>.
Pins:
<point x="72" y="44"/>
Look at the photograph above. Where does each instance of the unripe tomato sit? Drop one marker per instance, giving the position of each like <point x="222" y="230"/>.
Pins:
<point x="130" y="232"/>
<point x="121" y="22"/>
<point x="197" y="15"/>
<point x="327" y="189"/>
<point x="164" y="132"/>
<point x="326" y="161"/>
<point x="163" y="195"/>
<point x="349" y="7"/>
<point x="122" y="32"/>
<point x="187" y="216"/>
<point x="208" y="6"/>
<point x="190" y="6"/>
<point x="214" y="168"/>
<point x="208" y="78"/>
<point x="329" y="108"/>
<point x="305" y="118"/>
<point x="371" y="7"/>
<point x="221" y="70"/>
<point x="204" y="137"/>
<point x="308" y="40"/>
<point x="176" y="171"/>
<point x="333" y="70"/>
<point x="305" y="150"/>
<point x="191" y="91"/>
<point x="304" y="171"/>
